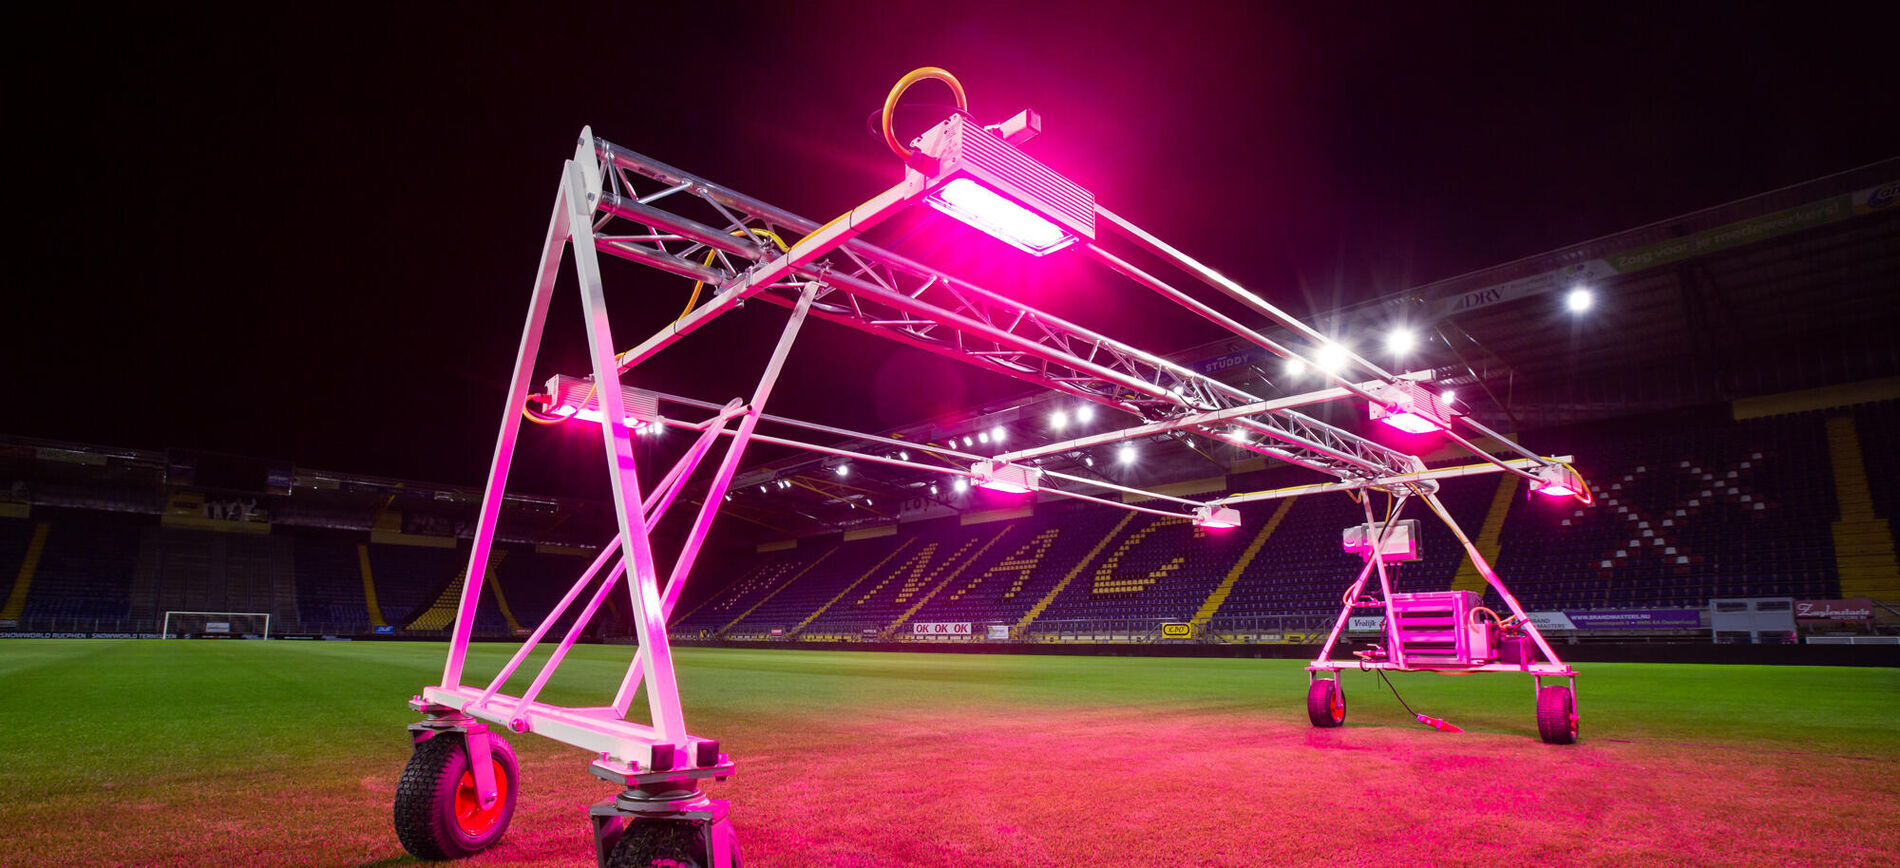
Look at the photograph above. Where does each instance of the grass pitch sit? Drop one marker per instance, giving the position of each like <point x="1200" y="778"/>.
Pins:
<point x="287" y="753"/>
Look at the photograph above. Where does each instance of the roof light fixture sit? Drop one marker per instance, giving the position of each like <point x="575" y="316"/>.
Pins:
<point x="1560" y="480"/>
<point x="1579" y="299"/>
<point x="984" y="181"/>
<point x="1007" y="478"/>
<point x="1400" y="341"/>
<point x="1411" y="408"/>
<point x="1216" y="517"/>
<point x="576" y="398"/>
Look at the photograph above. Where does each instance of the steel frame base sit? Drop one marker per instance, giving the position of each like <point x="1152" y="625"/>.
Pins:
<point x="1552" y="667"/>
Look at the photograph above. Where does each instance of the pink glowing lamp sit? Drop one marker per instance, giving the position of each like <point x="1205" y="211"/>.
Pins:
<point x="1560" y="480"/>
<point x="1007" y="478"/>
<point x="992" y="212"/>
<point x="1411" y="408"/>
<point x="574" y="398"/>
<point x="1216" y="517"/>
<point x="980" y="177"/>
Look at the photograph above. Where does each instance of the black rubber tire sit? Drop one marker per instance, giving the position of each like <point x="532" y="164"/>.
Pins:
<point x="1556" y="715"/>
<point x="427" y="820"/>
<point x="1326" y="703"/>
<point x="660" y="844"/>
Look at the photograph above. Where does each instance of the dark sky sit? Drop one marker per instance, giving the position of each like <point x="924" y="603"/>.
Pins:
<point x="307" y="233"/>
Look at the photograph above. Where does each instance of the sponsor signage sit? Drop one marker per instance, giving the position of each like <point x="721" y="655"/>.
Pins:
<point x="776" y="632"/>
<point x="1551" y="621"/>
<point x="217" y="626"/>
<point x="1619" y="619"/>
<point x="1366" y="623"/>
<point x="384" y="630"/>
<point x="999" y="631"/>
<point x="1648" y="619"/>
<point x="940" y="628"/>
<point x="1857" y="609"/>
<point x="1177" y="631"/>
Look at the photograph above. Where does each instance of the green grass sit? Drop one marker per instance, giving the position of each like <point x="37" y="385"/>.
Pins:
<point x="245" y="753"/>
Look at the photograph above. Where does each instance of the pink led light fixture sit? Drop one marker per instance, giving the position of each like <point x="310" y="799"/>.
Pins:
<point x="1216" y="517"/>
<point x="1560" y="480"/>
<point x="1007" y="478"/>
<point x="1411" y="408"/>
<point x="996" y="214"/>
<point x="986" y="181"/>
<point x="571" y="397"/>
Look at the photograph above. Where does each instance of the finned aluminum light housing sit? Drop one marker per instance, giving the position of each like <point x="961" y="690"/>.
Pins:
<point x="984" y="181"/>
<point x="1410" y="407"/>
<point x="1007" y="478"/>
<point x="1559" y="480"/>
<point x="577" y="398"/>
<point x="1216" y="517"/>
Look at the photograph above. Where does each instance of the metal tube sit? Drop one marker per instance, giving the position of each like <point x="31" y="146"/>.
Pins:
<point x="606" y="553"/>
<point x="1397" y="650"/>
<point x="1224" y="321"/>
<point x="722" y="479"/>
<point x="574" y="631"/>
<point x="1345" y="612"/>
<point x="1491" y="577"/>
<point x="494" y="490"/>
<point x="819" y="242"/>
<point x="1231" y="289"/>
<point x="1188" y="421"/>
<point x="1382" y="482"/>
<point x="663" y="691"/>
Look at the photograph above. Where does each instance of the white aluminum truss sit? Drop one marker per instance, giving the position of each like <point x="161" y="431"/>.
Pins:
<point x="612" y="200"/>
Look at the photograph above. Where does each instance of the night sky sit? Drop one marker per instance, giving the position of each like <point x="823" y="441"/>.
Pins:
<point x="306" y="233"/>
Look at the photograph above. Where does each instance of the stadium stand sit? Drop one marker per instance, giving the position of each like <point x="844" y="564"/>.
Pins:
<point x="1688" y="507"/>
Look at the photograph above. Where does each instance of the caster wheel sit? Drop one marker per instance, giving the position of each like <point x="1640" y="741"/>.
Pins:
<point x="438" y="813"/>
<point x="1326" y="703"/>
<point x="661" y="844"/>
<point x="1556" y="715"/>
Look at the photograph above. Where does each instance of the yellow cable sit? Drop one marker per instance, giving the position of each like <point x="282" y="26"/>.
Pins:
<point x="903" y="84"/>
<point x="710" y="254"/>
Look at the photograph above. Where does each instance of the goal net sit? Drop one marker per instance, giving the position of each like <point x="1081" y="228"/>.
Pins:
<point x="216" y="625"/>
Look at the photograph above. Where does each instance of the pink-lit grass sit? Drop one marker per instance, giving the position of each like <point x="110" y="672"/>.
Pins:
<point x="179" y="753"/>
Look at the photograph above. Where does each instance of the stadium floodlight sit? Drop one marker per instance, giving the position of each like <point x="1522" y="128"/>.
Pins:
<point x="982" y="436"/>
<point x="844" y="470"/>
<point x="1579" y="299"/>
<point x="984" y="181"/>
<point x="572" y="397"/>
<point x="1559" y="480"/>
<point x="1411" y="408"/>
<point x="1216" y="517"/>
<point x="1126" y="455"/>
<point x="967" y="443"/>
<point x="1085" y="414"/>
<point x="1058" y="420"/>
<point x="961" y="484"/>
<point x="1007" y="478"/>
<point x="996" y="434"/>
<point x="1400" y="341"/>
<point x="1330" y="357"/>
<point x="1293" y="367"/>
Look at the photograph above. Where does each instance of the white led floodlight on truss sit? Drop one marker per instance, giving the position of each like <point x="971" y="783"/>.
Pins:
<point x="614" y="201"/>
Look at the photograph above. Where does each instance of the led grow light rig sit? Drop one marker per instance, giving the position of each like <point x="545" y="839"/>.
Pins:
<point x="457" y="795"/>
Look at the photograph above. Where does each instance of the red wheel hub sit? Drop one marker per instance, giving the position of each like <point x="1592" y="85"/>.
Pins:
<point x="470" y="817"/>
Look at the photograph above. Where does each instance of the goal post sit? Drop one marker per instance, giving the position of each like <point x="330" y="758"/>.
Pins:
<point x="235" y="625"/>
